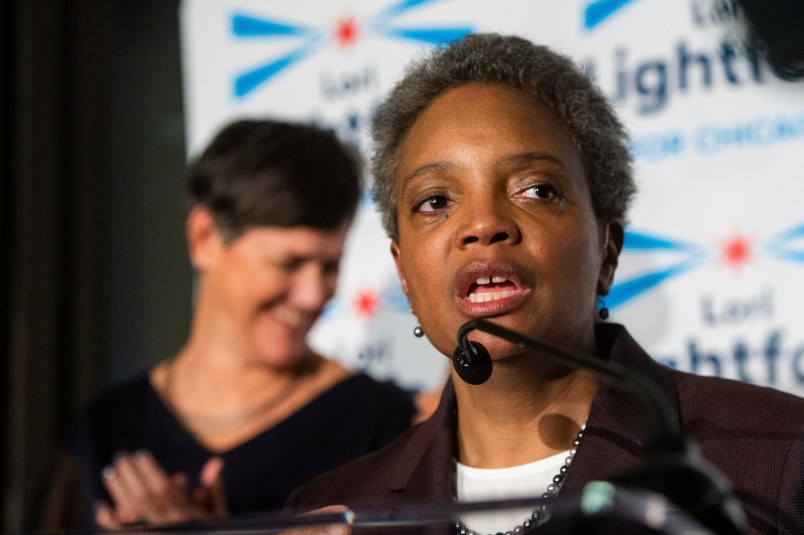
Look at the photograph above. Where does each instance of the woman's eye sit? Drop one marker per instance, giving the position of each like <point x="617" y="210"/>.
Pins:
<point x="432" y="203"/>
<point x="332" y="268"/>
<point x="541" y="191"/>
<point x="290" y="265"/>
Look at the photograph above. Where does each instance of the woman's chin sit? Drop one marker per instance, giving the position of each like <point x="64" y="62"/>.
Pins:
<point x="498" y="348"/>
<point x="282" y="356"/>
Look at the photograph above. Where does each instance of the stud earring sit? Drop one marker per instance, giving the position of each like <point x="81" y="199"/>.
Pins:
<point x="418" y="332"/>
<point x="602" y="311"/>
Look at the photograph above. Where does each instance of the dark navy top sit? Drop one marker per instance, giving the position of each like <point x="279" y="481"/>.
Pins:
<point x="355" y="416"/>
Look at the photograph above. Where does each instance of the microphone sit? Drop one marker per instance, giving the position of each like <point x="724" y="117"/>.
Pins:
<point x="676" y="470"/>
<point x="472" y="361"/>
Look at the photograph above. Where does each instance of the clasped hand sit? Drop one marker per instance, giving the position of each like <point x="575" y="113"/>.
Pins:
<point x="144" y="494"/>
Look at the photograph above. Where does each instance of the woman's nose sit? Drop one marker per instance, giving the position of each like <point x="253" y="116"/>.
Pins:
<point x="488" y="222"/>
<point x="311" y="288"/>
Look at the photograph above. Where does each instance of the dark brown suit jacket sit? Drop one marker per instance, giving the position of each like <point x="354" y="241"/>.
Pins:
<point x="752" y="435"/>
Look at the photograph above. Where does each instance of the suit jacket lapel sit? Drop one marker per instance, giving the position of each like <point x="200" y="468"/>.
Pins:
<point x="620" y="428"/>
<point x="426" y="469"/>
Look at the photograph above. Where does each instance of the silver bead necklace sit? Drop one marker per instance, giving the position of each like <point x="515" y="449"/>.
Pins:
<point x="541" y="513"/>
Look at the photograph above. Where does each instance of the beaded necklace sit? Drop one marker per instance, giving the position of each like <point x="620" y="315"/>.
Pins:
<point x="541" y="513"/>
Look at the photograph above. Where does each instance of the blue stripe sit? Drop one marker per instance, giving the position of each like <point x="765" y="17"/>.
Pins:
<point x="627" y="290"/>
<point x="778" y="246"/>
<point x="246" y="26"/>
<point x="246" y="82"/>
<point x="398" y="9"/>
<point x="793" y="256"/>
<point x="640" y="241"/>
<point x="786" y="236"/>
<point x="596" y="12"/>
<point x="431" y="36"/>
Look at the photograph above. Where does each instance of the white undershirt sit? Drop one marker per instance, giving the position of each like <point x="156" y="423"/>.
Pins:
<point x="527" y="480"/>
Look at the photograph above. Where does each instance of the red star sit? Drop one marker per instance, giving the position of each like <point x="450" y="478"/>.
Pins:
<point x="346" y="32"/>
<point x="366" y="302"/>
<point x="736" y="251"/>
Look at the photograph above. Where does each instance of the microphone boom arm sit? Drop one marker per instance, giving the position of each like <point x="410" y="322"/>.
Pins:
<point x="668" y="433"/>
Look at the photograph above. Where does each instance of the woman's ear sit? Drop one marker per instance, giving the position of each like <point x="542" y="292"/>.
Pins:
<point x="400" y="271"/>
<point x="613" y="236"/>
<point x="203" y="239"/>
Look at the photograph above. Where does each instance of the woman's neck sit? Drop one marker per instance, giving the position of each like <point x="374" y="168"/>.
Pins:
<point x="230" y="377"/>
<point x="522" y="414"/>
<point x="224" y="400"/>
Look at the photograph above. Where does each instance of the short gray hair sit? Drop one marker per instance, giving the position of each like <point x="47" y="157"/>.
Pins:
<point x="540" y="72"/>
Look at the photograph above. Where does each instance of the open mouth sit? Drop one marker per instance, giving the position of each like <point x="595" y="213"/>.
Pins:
<point x="488" y="288"/>
<point x="492" y="288"/>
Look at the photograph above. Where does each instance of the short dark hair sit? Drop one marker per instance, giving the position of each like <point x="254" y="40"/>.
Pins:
<point x="544" y="75"/>
<point x="271" y="173"/>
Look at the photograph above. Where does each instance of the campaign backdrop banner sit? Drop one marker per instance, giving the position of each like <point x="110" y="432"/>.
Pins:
<point x="712" y="275"/>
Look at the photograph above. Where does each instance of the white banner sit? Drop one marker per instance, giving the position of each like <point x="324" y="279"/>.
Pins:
<point x="713" y="268"/>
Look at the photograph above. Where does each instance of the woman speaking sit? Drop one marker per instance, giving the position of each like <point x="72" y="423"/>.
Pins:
<point x="504" y="178"/>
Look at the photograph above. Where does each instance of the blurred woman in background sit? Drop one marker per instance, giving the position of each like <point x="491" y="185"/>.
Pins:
<point x="245" y="411"/>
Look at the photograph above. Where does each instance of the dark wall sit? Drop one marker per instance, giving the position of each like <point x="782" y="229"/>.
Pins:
<point x="94" y="279"/>
<point x="145" y="271"/>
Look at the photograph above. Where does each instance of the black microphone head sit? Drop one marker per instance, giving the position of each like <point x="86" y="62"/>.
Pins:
<point x="472" y="363"/>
